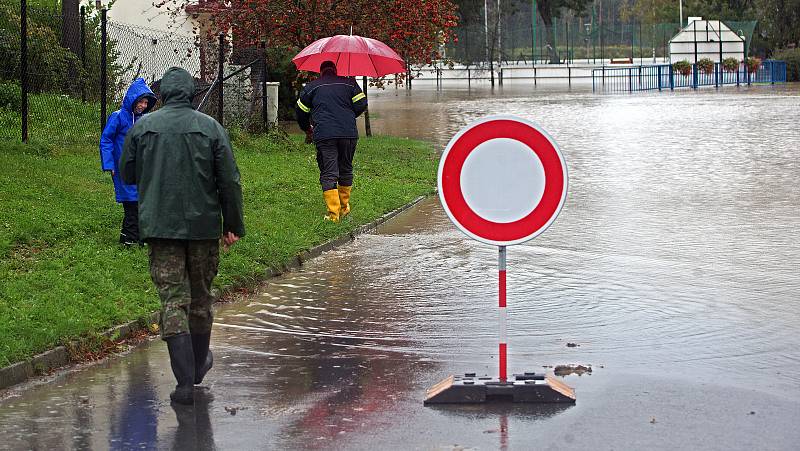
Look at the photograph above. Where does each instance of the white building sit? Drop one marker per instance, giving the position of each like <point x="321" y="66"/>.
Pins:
<point x="149" y="39"/>
<point x="710" y="39"/>
<point x="142" y="13"/>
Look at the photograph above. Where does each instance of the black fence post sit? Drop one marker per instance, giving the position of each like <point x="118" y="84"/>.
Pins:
<point x="103" y="71"/>
<point x="23" y="56"/>
<point x="640" y="44"/>
<point x="367" y="127"/>
<point x="632" y="35"/>
<point x="630" y="79"/>
<point x="737" y="75"/>
<point x="772" y="73"/>
<point x="83" y="53"/>
<point x="220" y="76"/>
<point x="746" y="66"/>
<point x="264" y="98"/>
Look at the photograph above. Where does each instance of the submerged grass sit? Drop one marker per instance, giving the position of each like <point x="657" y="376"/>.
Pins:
<point x="63" y="275"/>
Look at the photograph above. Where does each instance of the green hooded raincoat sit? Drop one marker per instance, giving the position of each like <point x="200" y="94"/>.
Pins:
<point x="183" y="164"/>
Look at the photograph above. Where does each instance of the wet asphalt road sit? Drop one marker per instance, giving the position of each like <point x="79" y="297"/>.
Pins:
<point x="673" y="267"/>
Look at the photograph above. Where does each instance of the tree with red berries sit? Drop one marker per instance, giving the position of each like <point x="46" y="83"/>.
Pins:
<point x="415" y="29"/>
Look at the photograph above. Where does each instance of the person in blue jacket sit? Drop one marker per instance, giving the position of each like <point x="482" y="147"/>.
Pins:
<point x="139" y="99"/>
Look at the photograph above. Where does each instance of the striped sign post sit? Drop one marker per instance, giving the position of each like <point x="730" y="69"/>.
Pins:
<point x="502" y="181"/>
<point x="503" y="314"/>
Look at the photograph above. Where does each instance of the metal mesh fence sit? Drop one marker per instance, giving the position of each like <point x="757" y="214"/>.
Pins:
<point x="148" y="53"/>
<point x="10" y="93"/>
<point x="518" y="38"/>
<point x="64" y="73"/>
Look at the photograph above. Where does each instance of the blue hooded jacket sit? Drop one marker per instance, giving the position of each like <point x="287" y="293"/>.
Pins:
<point x="113" y="136"/>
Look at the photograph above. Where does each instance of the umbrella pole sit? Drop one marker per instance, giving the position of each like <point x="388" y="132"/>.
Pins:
<point x="367" y="128"/>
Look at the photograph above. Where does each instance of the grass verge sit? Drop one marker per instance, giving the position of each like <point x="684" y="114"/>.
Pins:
<point x="63" y="276"/>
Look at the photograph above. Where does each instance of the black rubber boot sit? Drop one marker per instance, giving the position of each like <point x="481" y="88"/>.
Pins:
<point x="203" y="358"/>
<point x="181" y="358"/>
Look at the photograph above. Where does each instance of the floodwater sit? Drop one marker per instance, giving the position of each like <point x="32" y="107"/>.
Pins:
<point x="673" y="268"/>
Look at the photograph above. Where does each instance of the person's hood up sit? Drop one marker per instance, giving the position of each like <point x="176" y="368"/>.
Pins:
<point x="177" y="86"/>
<point x="136" y="91"/>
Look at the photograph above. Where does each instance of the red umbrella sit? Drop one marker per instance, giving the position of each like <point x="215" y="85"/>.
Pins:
<point x="353" y="55"/>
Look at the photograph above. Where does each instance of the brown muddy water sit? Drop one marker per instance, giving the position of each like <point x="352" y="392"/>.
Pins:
<point x="673" y="267"/>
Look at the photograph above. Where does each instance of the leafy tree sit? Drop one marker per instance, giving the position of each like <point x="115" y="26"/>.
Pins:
<point x="415" y="29"/>
<point x="779" y="23"/>
<point x="649" y="11"/>
<point x="778" y="20"/>
<point x="71" y="26"/>
<point x="550" y="10"/>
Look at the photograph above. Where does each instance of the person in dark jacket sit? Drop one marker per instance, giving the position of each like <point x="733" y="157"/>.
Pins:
<point x="329" y="106"/>
<point x="189" y="196"/>
<point x="138" y="100"/>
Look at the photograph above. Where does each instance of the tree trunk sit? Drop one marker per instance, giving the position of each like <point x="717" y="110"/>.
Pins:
<point x="71" y="39"/>
<point x="546" y="11"/>
<point x="71" y="26"/>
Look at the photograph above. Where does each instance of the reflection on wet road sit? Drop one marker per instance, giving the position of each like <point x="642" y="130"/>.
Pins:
<point x="673" y="267"/>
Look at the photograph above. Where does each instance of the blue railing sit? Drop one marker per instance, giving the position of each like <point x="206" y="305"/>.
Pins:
<point x="664" y="76"/>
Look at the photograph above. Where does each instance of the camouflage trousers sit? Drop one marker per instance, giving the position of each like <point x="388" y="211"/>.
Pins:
<point x="182" y="271"/>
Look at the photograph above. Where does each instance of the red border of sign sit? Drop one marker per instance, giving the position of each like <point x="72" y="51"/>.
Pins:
<point x="452" y="163"/>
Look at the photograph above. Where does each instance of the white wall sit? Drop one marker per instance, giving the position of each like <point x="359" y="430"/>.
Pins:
<point x="150" y="41"/>
<point x="142" y="13"/>
<point x="707" y="34"/>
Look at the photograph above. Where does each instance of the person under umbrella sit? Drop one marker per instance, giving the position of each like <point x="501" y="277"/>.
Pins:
<point x="327" y="108"/>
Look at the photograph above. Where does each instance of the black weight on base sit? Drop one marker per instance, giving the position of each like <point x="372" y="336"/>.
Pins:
<point x="523" y="388"/>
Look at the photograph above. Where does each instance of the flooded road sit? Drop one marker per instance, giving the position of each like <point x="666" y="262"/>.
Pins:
<point x="673" y="268"/>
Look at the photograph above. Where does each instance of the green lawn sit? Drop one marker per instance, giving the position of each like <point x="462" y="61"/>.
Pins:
<point x="63" y="275"/>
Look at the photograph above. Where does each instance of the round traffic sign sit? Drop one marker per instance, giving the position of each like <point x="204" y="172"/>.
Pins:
<point x="502" y="180"/>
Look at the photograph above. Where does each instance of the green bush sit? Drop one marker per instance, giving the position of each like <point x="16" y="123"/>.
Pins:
<point x="792" y="58"/>
<point x="280" y="68"/>
<point x="10" y="96"/>
<point x="49" y="64"/>
<point x="51" y="67"/>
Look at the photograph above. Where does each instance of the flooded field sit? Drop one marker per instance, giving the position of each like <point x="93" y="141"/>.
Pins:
<point x="672" y="269"/>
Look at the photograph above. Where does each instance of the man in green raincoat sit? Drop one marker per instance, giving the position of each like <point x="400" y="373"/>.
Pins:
<point x="189" y="196"/>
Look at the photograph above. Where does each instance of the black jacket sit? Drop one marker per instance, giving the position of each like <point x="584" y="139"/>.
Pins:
<point x="331" y="104"/>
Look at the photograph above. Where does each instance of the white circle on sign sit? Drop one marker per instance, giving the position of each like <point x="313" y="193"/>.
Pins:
<point x="502" y="180"/>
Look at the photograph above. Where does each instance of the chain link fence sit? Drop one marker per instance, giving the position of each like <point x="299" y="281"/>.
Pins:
<point x="64" y="85"/>
<point x="517" y="38"/>
<point x="62" y="71"/>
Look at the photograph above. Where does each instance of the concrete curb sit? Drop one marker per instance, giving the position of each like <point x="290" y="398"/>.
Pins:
<point x="48" y="361"/>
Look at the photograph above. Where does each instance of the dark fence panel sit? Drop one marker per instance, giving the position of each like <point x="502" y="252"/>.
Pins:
<point x="520" y="35"/>
<point x="66" y="71"/>
<point x="62" y="76"/>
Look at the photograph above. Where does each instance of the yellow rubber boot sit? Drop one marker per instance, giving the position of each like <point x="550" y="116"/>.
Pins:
<point x="332" y="202"/>
<point x="344" y="200"/>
